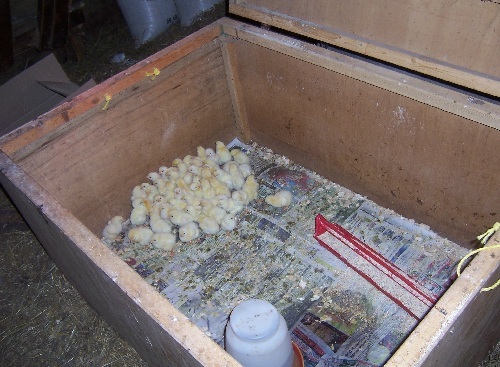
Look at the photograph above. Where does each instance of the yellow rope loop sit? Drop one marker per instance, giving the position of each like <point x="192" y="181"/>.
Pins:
<point x="483" y="238"/>
<point x="154" y="74"/>
<point x="486" y="235"/>
<point x="107" y="98"/>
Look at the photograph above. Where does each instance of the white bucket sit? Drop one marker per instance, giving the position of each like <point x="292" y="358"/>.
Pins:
<point x="189" y="9"/>
<point x="147" y="19"/>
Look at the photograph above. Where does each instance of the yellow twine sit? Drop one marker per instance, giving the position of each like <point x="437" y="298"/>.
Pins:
<point x="107" y="98"/>
<point x="154" y="74"/>
<point x="483" y="239"/>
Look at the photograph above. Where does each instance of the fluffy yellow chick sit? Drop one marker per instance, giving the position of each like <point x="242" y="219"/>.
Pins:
<point x="179" y="217"/>
<point x="206" y="171"/>
<point x="224" y="178"/>
<point x="236" y="177"/>
<point x="138" y="193"/>
<point x="239" y="197"/>
<point x="138" y="215"/>
<point x="215" y="212"/>
<point x="201" y="152"/>
<point x="188" y="232"/>
<point x="212" y="156"/>
<point x="219" y="187"/>
<point x="208" y="224"/>
<point x="141" y="235"/>
<point x="153" y="176"/>
<point x="158" y="224"/>
<point x="280" y="199"/>
<point x="163" y="171"/>
<point x="251" y="188"/>
<point x="228" y="222"/>
<point x="240" y="156"/>
<point x="164" y="241"/>
<point x="222" y="151"/>
<point x="245" y="169"/>
<point x="113" y="228"/>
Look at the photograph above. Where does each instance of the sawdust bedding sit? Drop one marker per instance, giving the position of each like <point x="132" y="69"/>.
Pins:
<point x="334" y="315"/>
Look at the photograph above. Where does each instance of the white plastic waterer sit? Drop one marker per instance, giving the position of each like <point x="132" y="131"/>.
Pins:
<point x="257" y="335"/>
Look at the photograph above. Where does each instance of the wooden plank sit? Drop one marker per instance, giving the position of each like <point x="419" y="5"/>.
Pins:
<point x="463" y="325"/>
<point x="235" y="88"/>
<point x="466" y="104"/>
<point x="456" y="42"/>
<point x="160" y="333"/>
<point x="422" y="162"/>
<point x="95" y="97"/>
<point x="93" y="166"/>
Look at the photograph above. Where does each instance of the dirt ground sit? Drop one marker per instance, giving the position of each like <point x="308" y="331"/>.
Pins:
<point x="43" y="320"/>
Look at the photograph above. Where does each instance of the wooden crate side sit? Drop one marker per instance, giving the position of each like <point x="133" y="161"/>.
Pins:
<point x="160" y="333"/>
<point x="454" y="41"/>
<point x="420" y="161"/>
<point x="92" y="163"/>
<point x="463" y="326"/>
<point x="40" y="128"/>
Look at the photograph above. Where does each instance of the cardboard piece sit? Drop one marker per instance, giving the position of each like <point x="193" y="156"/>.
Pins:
<point x="35" y="91"/>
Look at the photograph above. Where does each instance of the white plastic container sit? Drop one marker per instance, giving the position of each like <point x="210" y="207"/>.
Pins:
<point x="189" y="9"/>
<point x="146" y="19"/>
<point x="257" y="335"/>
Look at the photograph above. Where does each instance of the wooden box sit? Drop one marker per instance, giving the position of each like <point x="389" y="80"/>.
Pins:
<point x="412" y="125"/>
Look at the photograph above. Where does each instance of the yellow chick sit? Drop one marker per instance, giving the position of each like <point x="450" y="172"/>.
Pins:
<point x="188" y="232"/>
<point x="224" y="178"/>
<point x="172" y="173"/>
<point x="219" y="187"/>
<point x="240" y="156"/>
<point x="231" y="206"/>
<point x="138" y="193"/>
<point x="236" y="177"/>
<point x="206" y="171"/>
<point x="181" y="166"/>
<point x="215" y="212"/>
<point x="251" y="188"/>
<point x="212" y="156"/>
<point x="195" y="170"/>
<point x="158" y="224"/>
<point x="113" y="228"/>
<point x="179" y="217"/>
<point x="164" y="241"/>
<point x="208" y="224"/>
<point x="222" y="151"/>
<point x="163" y="171"/>
<point x="194" y="211"/>
<point x="164" y="210"/>
<point x="138" y="215"/>
<point x="141" y="235"/>
<point x="245" y="169"/>
<point x="201" y="152"/>
<point x="154" y="176"/>
<point x="280" y="199"/>
<point x="239" y="197"/>
<point x="228" y="222"/>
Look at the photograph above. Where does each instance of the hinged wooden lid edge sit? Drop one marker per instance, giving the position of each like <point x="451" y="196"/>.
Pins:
<point x="454" y="41"/>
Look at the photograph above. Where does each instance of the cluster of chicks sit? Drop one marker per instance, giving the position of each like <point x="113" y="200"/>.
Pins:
<point x="202" y="193"/>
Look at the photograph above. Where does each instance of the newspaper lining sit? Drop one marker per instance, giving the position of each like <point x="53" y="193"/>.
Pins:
<point x="337" y="317"/>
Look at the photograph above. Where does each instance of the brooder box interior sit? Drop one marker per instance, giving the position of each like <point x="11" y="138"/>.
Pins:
<point x="416" y="146"/>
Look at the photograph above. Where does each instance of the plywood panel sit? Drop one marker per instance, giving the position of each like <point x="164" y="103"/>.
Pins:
<point x="420" y="161"/>
<point x="457" y="41"/>
<point x="160" y="333"/>
<point x="93" y="168"/>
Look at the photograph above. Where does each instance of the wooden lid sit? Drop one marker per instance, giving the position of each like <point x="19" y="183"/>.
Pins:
<point x="455" y="41"/>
